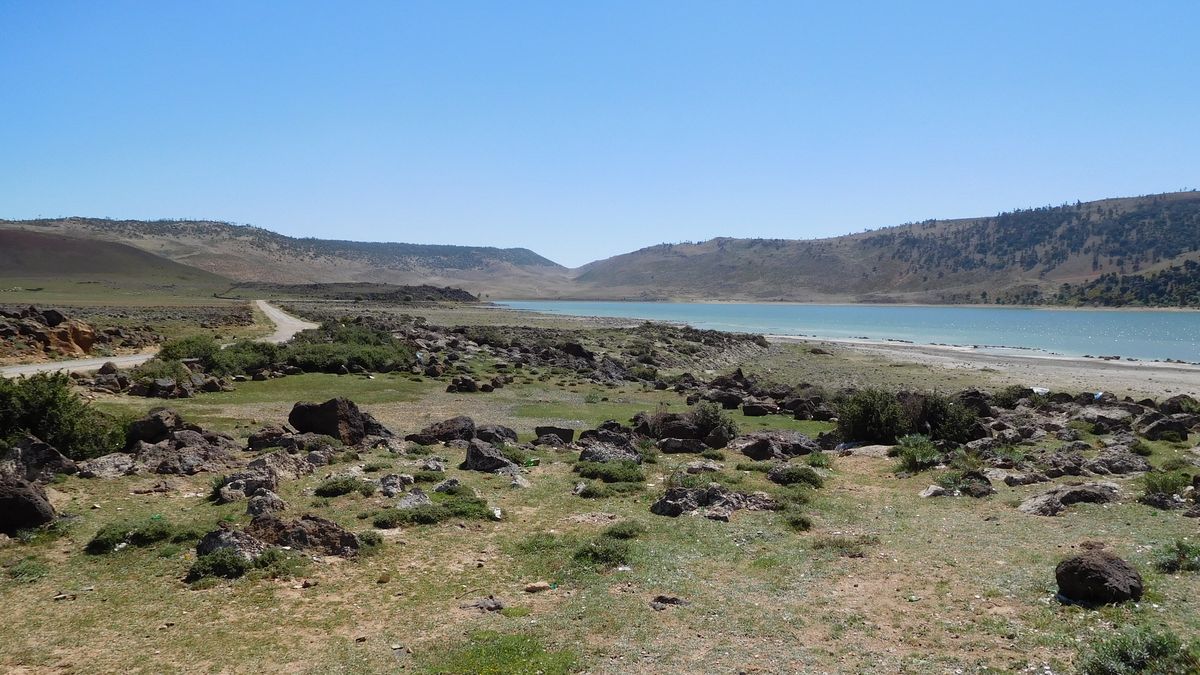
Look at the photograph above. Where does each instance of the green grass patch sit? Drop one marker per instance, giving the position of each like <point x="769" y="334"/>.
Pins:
<point x="623" y="471"/>
<point x="491" y="653"/>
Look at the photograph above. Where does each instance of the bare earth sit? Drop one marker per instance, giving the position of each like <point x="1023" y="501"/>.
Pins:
<point x="1135" y="378"/>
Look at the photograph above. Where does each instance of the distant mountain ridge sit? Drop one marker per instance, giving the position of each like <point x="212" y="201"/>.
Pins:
<point x="1041" y="255"/>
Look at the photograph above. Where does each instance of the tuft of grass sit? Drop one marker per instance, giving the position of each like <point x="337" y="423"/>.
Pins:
<point x="846" y="546"/>
<point x="1178" y="556"/>
<point x="376" y="467"/>
<point x="445" y="507"/>
<point x="1140" y="649"/>
<point x="819" y="460"/>
<point x="492" y="653"/>
<point x="603" y="552"/>
<point x="627" y="529"/>
<point x="624" y="471"/>
<point x="756" y="467"/>
<point x="28" y="570"/>
<point x="344" y="485"/>
<point x="597" y="490"/>
<point x="223" y="563"/>
<point x="715" y="455"/>
<point x="796" y="520"/>
<point x="916" y="453"/>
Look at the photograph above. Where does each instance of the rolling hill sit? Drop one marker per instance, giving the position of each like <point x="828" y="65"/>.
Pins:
<point x="1114" y="251"/>
<point x="252" y="254"/>
<point x="1021" y="255"/>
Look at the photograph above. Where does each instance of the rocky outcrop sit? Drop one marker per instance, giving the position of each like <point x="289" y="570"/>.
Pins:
<point x="245" y="545"/>
<point x="1098" y="577"/>
<point x="602" y="452"/>
<point x="308" y="533"/>
<point x="1055" y="500"/>
<point x="769" y="445"/>
<point x="715" y="502"/>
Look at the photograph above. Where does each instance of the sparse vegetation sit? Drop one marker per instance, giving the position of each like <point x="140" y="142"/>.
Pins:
<point x="1149" y="651"/>
<point x="916" y="453"/>
<point x="623" y="471"/>
<point x="1178" y="556"/>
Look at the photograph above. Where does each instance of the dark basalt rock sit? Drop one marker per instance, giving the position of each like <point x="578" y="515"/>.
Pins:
<point x="337" y="417"/>
<point x="1098" y="577"/>
<point x="23" y="505"/>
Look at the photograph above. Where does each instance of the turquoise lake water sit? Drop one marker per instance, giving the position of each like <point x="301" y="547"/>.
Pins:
<point x="1139" y="334"/>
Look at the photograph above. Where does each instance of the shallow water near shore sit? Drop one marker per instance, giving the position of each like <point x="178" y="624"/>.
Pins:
<point x="1145" y="334"/>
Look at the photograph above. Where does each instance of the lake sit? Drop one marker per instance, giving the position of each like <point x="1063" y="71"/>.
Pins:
<point x="1140" y="334"/>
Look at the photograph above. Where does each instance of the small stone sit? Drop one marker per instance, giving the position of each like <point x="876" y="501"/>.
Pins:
<point x="537" y="587"/>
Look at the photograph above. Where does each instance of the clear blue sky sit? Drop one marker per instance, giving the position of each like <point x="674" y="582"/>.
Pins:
<point x="587" y="129"/>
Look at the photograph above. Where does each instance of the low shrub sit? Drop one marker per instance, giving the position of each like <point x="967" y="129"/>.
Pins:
<point x="344" y="485"/>
<point x="1178" y="556"/>
<point x="1165" y="482"/>
<point x="140" y="533"/>
<point x="623" y="471"/>
<point x="916" y="453"/>
<point x="159" y="368"/>
<point x="276" y="563"/>
<point x="202" y="347"/>
<point x="797" y="520"/>
<point x="445" y="507"/>
<point x="223" y="563"/>
<point x="797" y="474"/>
<point x="1140" y="650"/>
<point x="871" y="416"/>
<point x="708" y="415"/>
<point x="429" y="476"/>
<point x="940" y="417"/>
<point x="1177" y="464"/>
<point x="376" y="467"/>
<point x="715" y="455"/>
<point x="514" y="454"/>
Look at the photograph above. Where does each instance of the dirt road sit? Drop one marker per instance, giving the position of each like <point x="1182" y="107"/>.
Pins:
<point x="286" y="326"/>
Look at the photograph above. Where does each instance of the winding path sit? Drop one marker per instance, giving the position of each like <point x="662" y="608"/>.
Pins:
<point x="286" y="327"/>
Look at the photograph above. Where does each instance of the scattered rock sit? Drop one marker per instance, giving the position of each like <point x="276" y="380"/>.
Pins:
<point x="714" y="501"/>
<point x="23" y="505"/>
<point x="245" y="545"/>
<point x="485" y="458"/>
<point x="537" y="587"/>
<point x="661" y="602"/>
<point x="934" y="491"/>
<point x="32" y="460"/>
<point x="461" y="428"/>
<point x="307" y="533"/>
<point x="337" y="417"/>
<point x="264" y="501"/>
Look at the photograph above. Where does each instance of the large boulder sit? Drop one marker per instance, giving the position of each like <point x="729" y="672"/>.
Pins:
<point x="23" y="505"/>
<point x="188" y="454"/>
<point x="461" y="428"/>
<point x="156" y="426"/>
<point x="1055" y="500"/>
<point x="567" y="435"/>
<point x="1098" y="577"/>
<point x="32" y="460"/>
<point x="1156" y="426"/>
<point x="1179" y="404"/>
<point x="337" y="417"/>
<point x="265" y="501"/>
<point x="484" y="457"/>
<point x="308" y="533"/>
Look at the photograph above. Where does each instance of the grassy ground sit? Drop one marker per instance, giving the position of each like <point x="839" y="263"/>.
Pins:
<point x="941" y="584"/>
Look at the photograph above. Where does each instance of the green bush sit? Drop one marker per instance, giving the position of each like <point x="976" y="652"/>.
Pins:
<point x="941" y="417"/>
<point x="916" y="453"/>
<point x="201" y="347"/>
<point x="344" y="485"/>
<point x="45" y="405"/>
<point x="428" y="476"/>
<point x="1140" y="650"/>
<point x="223" y="563"/>
<point x="276" y="563"/>
<point x="623" y="471"/>
<point x="1178" y="556"/>
<point x="369" y="542"/>
<point x="158" y="368"/>
<point x="334" y="346"/>
<point x="244" y="357"/>
<point x="445" y="507"/>
<point x="627" y="529"/>
<point x="871" y="416"/>
<point x="709" y="415"/>
<point x="1165" y="482"/>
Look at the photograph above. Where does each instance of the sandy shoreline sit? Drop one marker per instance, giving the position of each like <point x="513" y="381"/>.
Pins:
<point x="1068" y="373"/>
